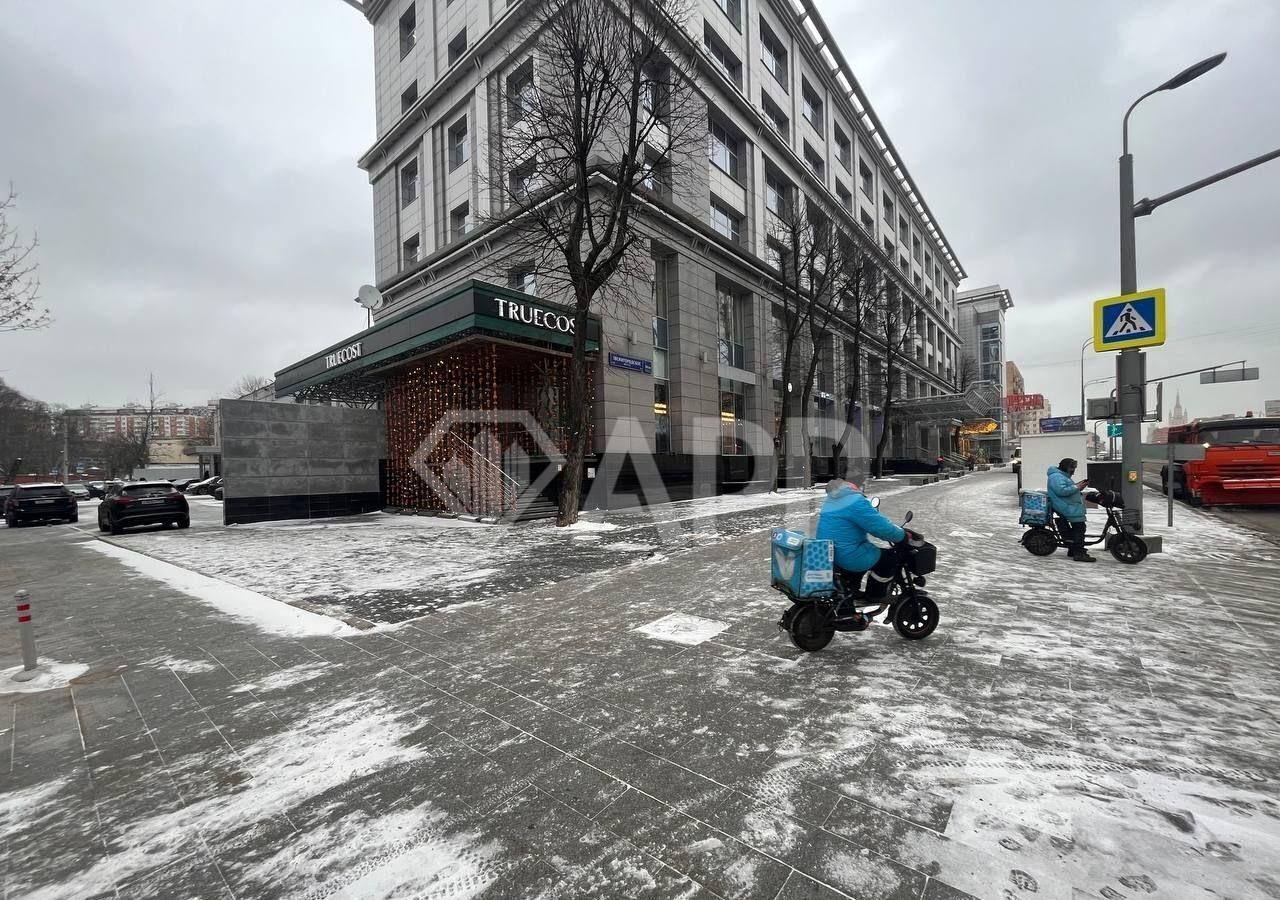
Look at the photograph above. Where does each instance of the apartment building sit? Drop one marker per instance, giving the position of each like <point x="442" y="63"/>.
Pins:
<point x="982" y="334"/>
<point x="464" y="319"/>
<point x="168" y="422"/>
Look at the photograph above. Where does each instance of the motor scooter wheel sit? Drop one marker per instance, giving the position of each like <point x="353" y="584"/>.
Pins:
<point x="809" y="629"/>
<point x="1127" y="548"/>
<point x="1040" y="542"/>
<point x="915" y="618"/>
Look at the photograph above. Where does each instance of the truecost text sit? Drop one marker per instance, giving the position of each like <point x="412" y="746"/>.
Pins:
<point x="534" y="315"/>
<point x="344" y="355"/>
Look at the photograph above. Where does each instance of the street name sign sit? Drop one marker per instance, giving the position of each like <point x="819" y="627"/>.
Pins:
<point x="1128" y="321"/>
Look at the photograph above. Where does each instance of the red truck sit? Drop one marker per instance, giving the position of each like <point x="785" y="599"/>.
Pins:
<point x="1241" y="465"/>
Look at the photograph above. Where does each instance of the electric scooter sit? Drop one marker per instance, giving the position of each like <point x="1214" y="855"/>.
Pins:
<point x="1121" y="541"/>
<point x="812" y="622"/>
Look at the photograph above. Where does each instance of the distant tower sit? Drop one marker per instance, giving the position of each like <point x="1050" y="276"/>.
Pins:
<point x="1178" y="416"/>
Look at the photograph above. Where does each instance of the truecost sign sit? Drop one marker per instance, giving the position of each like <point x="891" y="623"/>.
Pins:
<point x="534" y="315"/>
<point x="344" y="355"/>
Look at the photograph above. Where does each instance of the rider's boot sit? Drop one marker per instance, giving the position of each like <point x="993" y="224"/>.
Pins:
<point x="1083" y="556"/>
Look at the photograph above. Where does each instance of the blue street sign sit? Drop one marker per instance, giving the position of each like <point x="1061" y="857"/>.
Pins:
<point x="1115" y="429"/>
<point x="1061" y="423"/>
<point x="1130" y="320"/>
<point x="631" y="363"/>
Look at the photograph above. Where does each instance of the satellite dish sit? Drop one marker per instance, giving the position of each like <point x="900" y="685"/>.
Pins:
<point x="369" y="297"/>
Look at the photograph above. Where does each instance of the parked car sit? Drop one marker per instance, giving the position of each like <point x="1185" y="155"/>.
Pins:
<point x="206" y="486"/>
<point x="217" y="492"/>
<point x="39" y="503"/>
<point x="143" y="503"/>
<point x="183" y="483"/>
<point x="79" y="491"/>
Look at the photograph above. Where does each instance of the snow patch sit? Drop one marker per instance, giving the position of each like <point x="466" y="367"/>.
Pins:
<point x="284" y="678"/>
<point x="182" y="666"/>
<point x="239" y="603"/>
<point x="679" y="628"/>
<point x="584" y="525"/>
<point x="49" y="676"/>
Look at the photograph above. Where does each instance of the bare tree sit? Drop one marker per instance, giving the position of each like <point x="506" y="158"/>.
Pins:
<point x="897" y="331"/>
<point x="864" y="297"/>
<point x="19" y="281"/>
<point x="810" y="253"/>
<point x="606" y="118"/>
<point x="143" y="438"/>
<point x="967" y="374"/>
<point x="249" y="384"/>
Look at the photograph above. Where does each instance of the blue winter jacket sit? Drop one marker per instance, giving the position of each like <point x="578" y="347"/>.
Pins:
<point x="847" y="517"/>
<point x="1064" y="496"/>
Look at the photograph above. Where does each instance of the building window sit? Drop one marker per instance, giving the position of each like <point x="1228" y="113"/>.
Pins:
<point x="457" y="46"/>
<point x="814" y="160"/>
<point x="915" y="247"/>
<point x="732" y="315"/>
<point x="776" y="118"/>
<point x="773" y="55"/>
<point x="459" y="145"/>
<point x="868" y="222"/>
<point x="722" y="55"/>
<point x="520" y="181"/>
<point x="726" y="151"/>
<point x="408" y="98"/>
<point x="726" y="222"/>
<point x="844" y="149"/>
<point x="655" y="90"/>
<point x="903" y="263"/>
<point x="656" y="176"/>
<point x="777" y="193"/>
<point x="460" y="221"/>
<point x="520" y="93"/>
<point x="903" y="231"/>
<point x="845" y="196"/>
<point x="866" y="180"/>
<point x="774" y="253"/>
<point x="663" y="270"/>
<point x="928" y="265"/>
<point x="733" y="418"/>
<point x="408" y="31"/>
<point x="811" y="105"/>
<point x="888" y="247"/>
<point x="732" y="9"/>
<point x="919" y="282"/>
<point x="523" y="279"/>
<point x="888" y="208"/>
<point x="408" y="183"/>
<point x="412" y="246"/>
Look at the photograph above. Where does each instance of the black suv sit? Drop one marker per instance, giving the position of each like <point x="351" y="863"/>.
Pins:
<point x="142" y="503"/>
<point x="39" y="503"/>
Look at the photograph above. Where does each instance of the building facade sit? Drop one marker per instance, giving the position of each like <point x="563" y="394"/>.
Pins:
<point x="981" y="327"/>
<point x="167" y="422"/>
<point x="464" y="320"/>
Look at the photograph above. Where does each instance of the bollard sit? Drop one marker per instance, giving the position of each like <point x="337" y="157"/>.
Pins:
<point x="27" y="636"/>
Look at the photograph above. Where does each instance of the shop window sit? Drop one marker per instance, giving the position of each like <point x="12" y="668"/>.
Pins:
<point x="733" y="418"/>
<point x="732" y="326"/>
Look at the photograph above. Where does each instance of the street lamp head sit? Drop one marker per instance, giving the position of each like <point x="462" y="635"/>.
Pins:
<point x="1191" y="73"/>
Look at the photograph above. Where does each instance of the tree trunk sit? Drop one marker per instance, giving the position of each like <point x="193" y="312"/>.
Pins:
<point x="580" y="412"/>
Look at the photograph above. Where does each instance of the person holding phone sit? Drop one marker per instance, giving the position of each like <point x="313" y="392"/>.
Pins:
<point x="1068" y="502"/>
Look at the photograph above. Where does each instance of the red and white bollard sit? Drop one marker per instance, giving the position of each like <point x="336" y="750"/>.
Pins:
<point x="27" y="636"/>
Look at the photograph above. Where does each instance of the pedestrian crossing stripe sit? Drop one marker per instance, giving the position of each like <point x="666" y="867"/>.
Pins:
<point x="1129" y="321"/>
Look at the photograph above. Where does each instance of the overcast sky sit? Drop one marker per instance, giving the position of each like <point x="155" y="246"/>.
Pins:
<point x="191" y="171"/>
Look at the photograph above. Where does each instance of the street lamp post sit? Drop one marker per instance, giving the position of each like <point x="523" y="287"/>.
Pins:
<point x="1082" y="349"/>
<point x="1129" y="362"/>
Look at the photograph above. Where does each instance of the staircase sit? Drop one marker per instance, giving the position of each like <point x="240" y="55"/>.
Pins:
<point x="537" y="508"/>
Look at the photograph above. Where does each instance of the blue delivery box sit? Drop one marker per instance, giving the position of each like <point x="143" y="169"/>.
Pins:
<point x="1035" y="508"/>
<point x="801" y="566"/>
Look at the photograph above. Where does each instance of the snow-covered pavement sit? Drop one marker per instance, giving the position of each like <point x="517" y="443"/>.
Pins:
<point x="644" y="730"/>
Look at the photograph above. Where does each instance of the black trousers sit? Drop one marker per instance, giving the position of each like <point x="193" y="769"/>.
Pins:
<point x="1073" y="534"/>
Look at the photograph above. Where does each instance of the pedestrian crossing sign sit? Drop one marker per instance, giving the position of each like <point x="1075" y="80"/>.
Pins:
<point x="1130" y="320"/>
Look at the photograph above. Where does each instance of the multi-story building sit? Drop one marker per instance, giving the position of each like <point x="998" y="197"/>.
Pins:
<point x="982" y="333"/>
<point x="467" y="321"/>
<point x="168" y="422"/>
